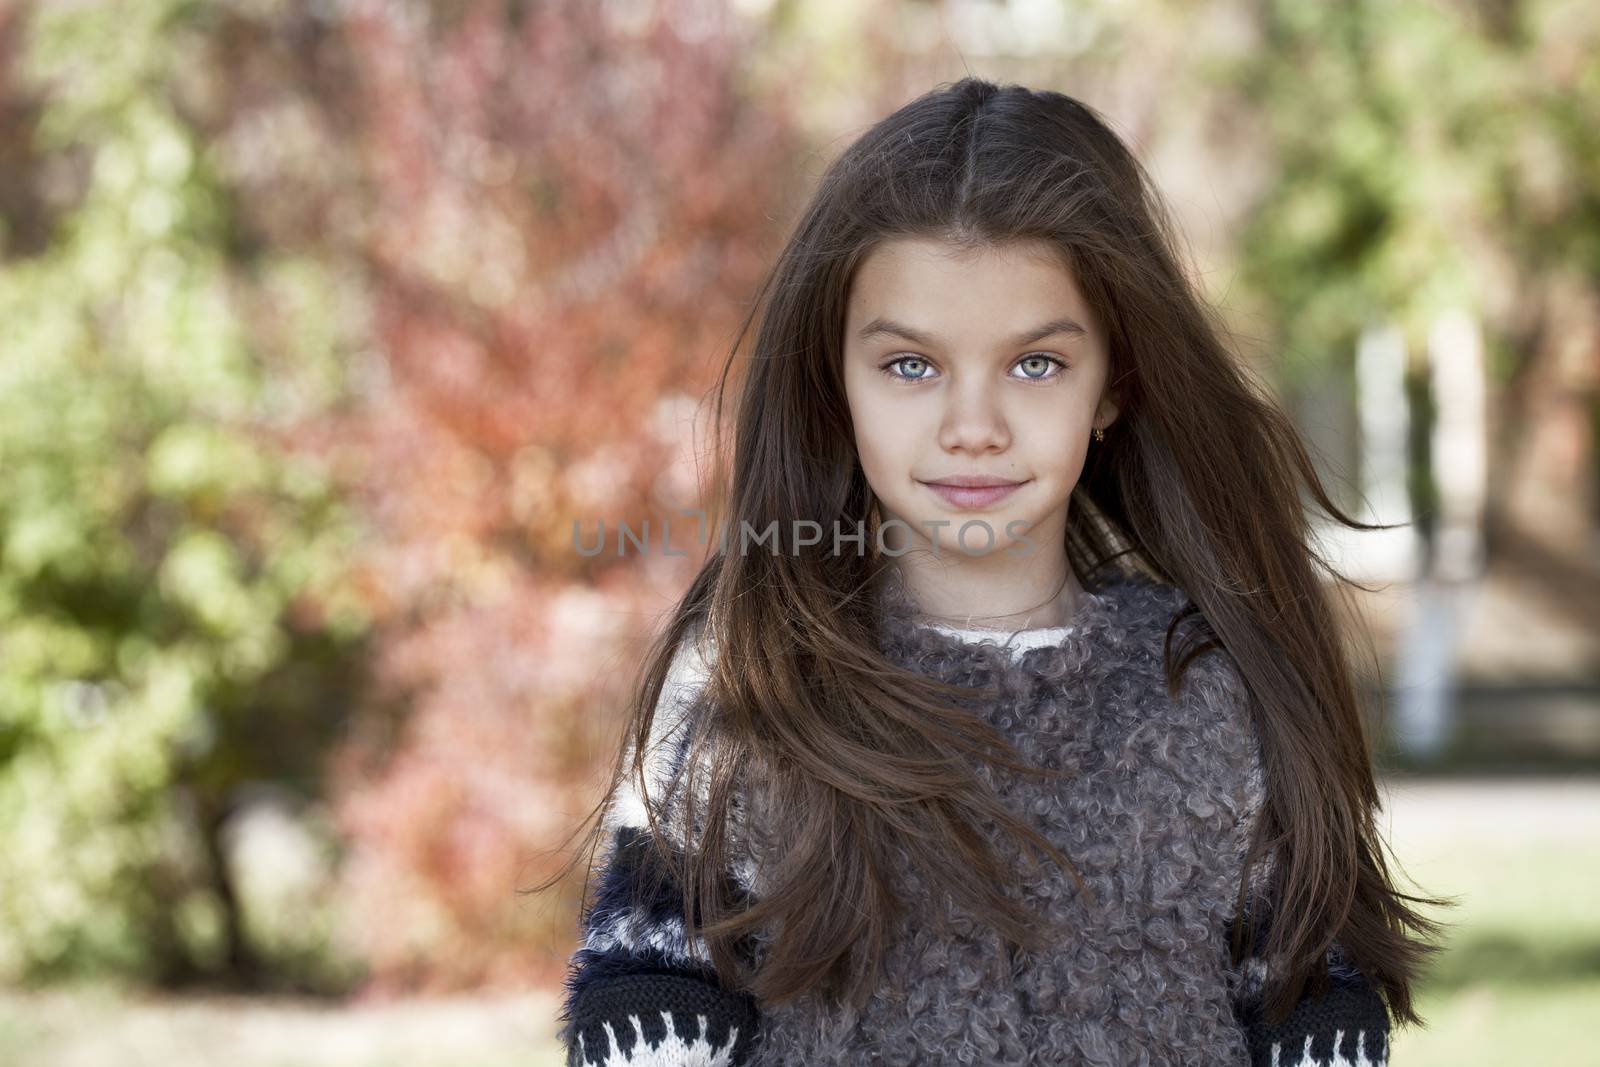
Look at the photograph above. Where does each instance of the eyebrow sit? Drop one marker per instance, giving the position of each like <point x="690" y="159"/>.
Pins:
<point x="885" y="327"/>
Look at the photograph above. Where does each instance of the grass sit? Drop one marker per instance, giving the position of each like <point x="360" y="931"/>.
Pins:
<point x="1518" y="983"/>
<point x="98" y="1026"/>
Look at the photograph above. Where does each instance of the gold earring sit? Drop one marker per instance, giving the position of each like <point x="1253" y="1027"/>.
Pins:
<point x="1099" y="434"/>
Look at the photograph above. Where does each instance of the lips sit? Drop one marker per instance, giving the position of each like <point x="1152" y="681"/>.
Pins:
<point x="973" y="492"/>
<point x="974" y="481"/>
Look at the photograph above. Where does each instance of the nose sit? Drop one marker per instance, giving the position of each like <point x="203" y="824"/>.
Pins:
<point x="973" y="421"/>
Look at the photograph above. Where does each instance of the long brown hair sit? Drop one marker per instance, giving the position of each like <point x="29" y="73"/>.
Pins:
<point x="1198" y="483"/>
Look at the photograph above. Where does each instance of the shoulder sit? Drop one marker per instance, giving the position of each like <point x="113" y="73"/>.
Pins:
<point x="670" y="732"/>
<point x="692" y="661"/>
<point x="1212" y="703"/>
<point x="1145" y="608"/>
<point x="1138" y="606"/>
<point x="1139" y="612"/>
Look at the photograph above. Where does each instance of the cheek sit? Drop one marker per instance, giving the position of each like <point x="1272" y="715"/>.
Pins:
<point x="1050" y="422"/>
<point x="877" y="453"/>
<point x="1066" y="451"/>
<point x="857" y="396"/>
<point x="1056" y="444"/>
<point x="875" y="446"/>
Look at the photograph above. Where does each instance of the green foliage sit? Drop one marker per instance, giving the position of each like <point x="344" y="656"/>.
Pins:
<point x="170" y="617"/>
<point x="1420" y="148"/>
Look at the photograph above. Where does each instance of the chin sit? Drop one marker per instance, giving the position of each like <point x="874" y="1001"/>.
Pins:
<point x="977" y="539"/>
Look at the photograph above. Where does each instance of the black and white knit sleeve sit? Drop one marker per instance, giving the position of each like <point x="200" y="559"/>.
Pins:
<point x="1347" y="1025"/>
<point x="640" y="989"/>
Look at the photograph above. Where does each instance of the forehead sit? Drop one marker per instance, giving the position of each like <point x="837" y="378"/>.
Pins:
<point x="940" y="281"/>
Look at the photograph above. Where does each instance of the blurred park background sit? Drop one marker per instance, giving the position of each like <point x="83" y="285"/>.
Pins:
<point x="321" y="321"/>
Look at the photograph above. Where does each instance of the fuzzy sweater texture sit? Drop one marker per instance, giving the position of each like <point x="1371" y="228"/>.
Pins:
<point x="1155" y="812"/>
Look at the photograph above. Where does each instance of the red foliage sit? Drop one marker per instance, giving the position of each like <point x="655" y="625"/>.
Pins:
<point x="558" y="225"/>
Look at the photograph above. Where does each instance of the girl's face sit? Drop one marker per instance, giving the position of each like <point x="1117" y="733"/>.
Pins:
<point x="978" y="365"/>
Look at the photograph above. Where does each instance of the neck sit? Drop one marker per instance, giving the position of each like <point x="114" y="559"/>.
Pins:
<point x="992" y="594"/>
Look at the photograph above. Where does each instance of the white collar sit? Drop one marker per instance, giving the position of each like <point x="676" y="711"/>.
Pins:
<point x="1016" y="640"/>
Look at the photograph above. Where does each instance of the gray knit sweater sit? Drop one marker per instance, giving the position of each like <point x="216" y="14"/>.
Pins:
<point x="1156" y="815"/>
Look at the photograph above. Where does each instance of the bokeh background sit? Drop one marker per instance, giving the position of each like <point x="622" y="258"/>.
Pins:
<point x="322" y="321"/>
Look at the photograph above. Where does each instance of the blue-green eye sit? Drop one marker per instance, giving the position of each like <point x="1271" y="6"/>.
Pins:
<point x="1042" y="363"/>
<point x="915" y="360"/>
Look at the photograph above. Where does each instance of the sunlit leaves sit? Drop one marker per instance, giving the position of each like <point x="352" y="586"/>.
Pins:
<point x="158" y="543"/>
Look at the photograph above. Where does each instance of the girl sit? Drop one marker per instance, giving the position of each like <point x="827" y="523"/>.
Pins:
<point x="1009" y="722"/>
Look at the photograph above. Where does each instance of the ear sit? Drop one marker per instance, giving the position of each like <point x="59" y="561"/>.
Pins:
<point x="1105" y="413"/>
